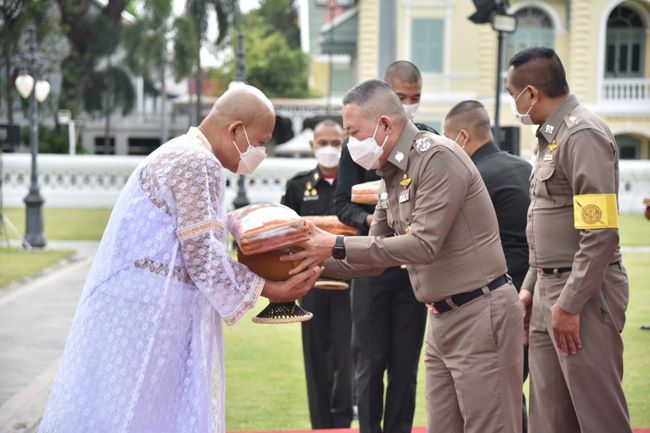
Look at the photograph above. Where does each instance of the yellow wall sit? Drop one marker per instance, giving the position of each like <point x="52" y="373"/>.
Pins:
<point x="470" y="56"/>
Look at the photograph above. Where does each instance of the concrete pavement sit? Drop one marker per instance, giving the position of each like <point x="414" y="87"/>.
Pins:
<point x="35" y="317"/>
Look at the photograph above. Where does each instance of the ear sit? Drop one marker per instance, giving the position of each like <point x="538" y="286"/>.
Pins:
<point x="386" y="123"/>
<point x="311" y="144"/>
<point x="232" y="129"/>
<point x="535" y="94"/>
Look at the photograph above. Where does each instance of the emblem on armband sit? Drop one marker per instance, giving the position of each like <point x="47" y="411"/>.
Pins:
<point x="595" y="211"/>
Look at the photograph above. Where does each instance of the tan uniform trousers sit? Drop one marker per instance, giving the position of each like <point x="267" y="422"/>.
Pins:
<point x="579" y="393"/>
<point x="474" y="366"/>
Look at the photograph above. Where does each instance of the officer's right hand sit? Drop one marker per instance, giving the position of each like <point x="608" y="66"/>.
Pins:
<point x="526" y="301"/>
<point x="293" y="288"/>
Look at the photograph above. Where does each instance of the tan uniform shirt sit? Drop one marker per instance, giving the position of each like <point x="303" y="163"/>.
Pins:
<point x="435" y="216"/>
<point x="577" y="155"/>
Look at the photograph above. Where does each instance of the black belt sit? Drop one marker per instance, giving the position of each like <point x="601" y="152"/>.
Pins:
<point x="463" y="298"/>
<point x="549" y="271"/>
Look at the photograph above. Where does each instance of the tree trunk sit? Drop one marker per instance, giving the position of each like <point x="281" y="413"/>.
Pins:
<point x="199" y="86"/>
<point x="164" y="117"/>
<point x="9" y="94"/>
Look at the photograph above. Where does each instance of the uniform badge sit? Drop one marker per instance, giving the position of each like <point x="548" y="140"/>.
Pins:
<point x="549" y="129"/>
<point x="423" y="144"/>
<point x="406" y="181"/>
<point x="382" y="203"/>
<point x="404" y="195"/>
<point x="553" y="145"/>
<point x="399" y="156"/>
<point x="548" y="157"/>
<point x="310" y="192"/>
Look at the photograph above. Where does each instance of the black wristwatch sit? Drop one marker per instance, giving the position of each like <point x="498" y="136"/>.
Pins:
<point x="338" y="252"/>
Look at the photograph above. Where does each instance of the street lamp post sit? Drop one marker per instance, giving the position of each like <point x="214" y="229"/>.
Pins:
<point x="241" y="199"/>
<point x="494" y="12"/>
<point x="37" y="92"/>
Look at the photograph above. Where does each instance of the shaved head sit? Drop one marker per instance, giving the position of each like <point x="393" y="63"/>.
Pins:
<point x="327" y="123"/>
<point x="242" y="102"/>
<point x="375" y="98"/>
<point x="472" y="116"/>
<point x="404" y="71"/>
<point x="243" y="116"/>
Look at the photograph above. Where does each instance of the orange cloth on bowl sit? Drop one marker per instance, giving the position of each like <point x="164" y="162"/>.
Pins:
<point x="366" y="193"/>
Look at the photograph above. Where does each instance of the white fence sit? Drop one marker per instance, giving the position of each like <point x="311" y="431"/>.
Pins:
<point x="90" y="181"/>
<point x="95" y="181"/>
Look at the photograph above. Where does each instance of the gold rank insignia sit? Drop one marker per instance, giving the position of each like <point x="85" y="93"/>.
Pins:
<point x="553" y="145"/>
<point x="316" y="176"/>
<point x="406" y="181"/>
<point x="595" y="211"/>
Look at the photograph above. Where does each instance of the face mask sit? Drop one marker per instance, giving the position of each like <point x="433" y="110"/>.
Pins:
<point x="411" y="109"/>
<point x="251" y="159"/>
<point x="327" y="156"/>
<point x="525" y="119"/>
<point x="462" y="146"/>
<point x="366" y="152"/>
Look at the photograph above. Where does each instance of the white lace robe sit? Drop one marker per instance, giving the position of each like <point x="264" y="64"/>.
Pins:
<point x="145" y="351"/>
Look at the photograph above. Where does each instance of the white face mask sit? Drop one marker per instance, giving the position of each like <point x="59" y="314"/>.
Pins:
<point x="462" y="146"/>
<point x="411" y="109"/>
<point x="525" y="119"/>
<point x="328" y="156"/>
<point x="366" y="152"/>
<point x="251" y="159"/>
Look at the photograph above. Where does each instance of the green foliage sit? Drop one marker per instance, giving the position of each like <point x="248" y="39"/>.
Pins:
<point x="281" y="15"/>
<point x="185" y="46"/>
<point x="93" y="37"/>
<point x="112" y="90"/>
<point x="271" y="65"/>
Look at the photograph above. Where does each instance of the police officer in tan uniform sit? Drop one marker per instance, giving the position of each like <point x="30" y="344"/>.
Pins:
<point x="435" y="216"/>
<point x="579" y="283"/>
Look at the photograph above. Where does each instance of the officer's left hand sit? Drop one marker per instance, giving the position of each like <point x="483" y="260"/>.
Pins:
<point x="566" y="330"/>
<point x="315" y="251"/>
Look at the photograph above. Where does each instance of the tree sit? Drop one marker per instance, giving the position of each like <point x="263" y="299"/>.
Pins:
<point x="14" y="15"/>
<point x="271" y="64"/>
<point x="282" y="16"/>
<point x="93" y="33"/>
<point x="199" y="11"/>
<point x="145" y="43"/>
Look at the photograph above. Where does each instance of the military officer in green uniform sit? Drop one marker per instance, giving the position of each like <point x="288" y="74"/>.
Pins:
<point x="577" y="285"/>
<point x="435" y="216"/>
<point x="326" y="338"/>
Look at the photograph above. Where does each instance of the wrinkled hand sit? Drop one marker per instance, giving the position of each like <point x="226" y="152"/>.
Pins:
<point x="566" y="330"/>
<point x="293" y="288"/>
<point x="314" y="251"/>
<point x="526" y="301"/>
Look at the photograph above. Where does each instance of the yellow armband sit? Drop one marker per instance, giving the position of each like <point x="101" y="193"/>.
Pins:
<point x="595" y="211"/>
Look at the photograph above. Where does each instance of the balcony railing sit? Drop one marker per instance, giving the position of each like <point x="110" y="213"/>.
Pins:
<point x="628" y="90"/>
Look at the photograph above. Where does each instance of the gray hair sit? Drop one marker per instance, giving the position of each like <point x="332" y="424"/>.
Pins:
<point x="375" y="98"/>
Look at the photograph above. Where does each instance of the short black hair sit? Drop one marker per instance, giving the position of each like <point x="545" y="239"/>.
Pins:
<point x="403" y="70"/>
<point x="542" y="68"/>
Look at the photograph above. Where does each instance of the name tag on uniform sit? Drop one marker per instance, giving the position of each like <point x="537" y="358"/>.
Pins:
<point x="548" y="157"/>
<point x="404" y="195"/>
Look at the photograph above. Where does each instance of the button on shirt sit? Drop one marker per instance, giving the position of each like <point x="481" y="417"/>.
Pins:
<point x="437" y="218"/>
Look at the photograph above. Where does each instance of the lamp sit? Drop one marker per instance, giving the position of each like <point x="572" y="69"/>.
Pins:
<point x="34" y="236"/>
<point x="494" y="12"/>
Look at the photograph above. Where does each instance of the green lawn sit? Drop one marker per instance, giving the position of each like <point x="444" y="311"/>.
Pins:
<point x="17" y="263"/>
<point x="66" y="224"/>
<point x="265" y="375"/>
<point x="635" y="230"/>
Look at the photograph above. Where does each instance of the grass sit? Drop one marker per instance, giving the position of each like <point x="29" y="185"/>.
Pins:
<point x="17" y="264"/>
<point x="266" y="380"/>
<point x="66" y="224"/>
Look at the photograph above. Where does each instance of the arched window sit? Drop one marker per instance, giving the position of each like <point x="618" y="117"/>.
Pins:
<point x="534" y="29"/>
<point x="625" y="44"/>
